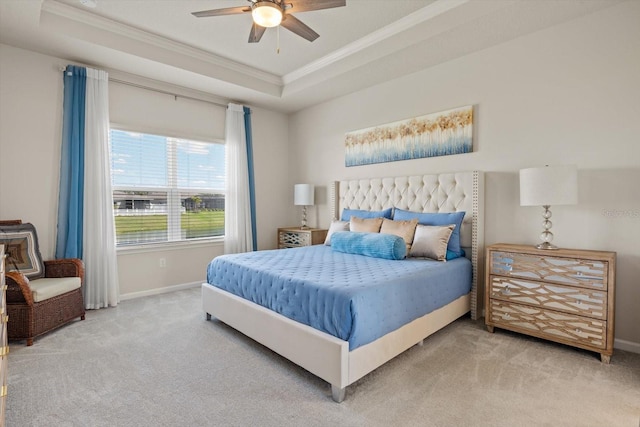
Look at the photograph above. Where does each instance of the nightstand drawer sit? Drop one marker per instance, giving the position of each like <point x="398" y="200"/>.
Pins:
<point x="574" y="300"/>
<point x="549" y="324"/>
<point x="294" y="239"/>
<point x="568" y="271"/>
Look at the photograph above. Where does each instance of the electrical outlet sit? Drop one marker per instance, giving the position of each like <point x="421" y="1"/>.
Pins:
<point x="163" y="262"/>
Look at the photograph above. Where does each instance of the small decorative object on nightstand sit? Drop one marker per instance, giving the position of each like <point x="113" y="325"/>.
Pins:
<point x="295" y="237"/>
<point x="566" y="296"/>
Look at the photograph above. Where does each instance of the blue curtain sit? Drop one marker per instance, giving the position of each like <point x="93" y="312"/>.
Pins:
<point x="252" y="187"/>
<point x="70" y="205"/>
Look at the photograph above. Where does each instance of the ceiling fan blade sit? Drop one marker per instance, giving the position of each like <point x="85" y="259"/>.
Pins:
<point x="221" y="12"/>
<point x="295" y="25"/>
<point x="256" y="33"/>
<point x="306" y="5"/>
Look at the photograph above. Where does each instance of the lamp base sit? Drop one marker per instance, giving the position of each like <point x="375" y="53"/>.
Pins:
<point x="304" y="218"/>
<point x="546" y="246"/>
<point x="546" y="235"/>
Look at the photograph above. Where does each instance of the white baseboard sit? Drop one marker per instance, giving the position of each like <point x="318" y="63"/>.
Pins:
<point x="625" y="345"/>
<point x="158" y="291"/>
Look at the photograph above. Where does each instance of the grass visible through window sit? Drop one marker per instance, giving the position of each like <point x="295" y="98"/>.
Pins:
<point x="195" y="224"/>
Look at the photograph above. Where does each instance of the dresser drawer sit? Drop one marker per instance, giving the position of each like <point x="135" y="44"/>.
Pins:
<point x="4" y="319"/>
<point x="574" y="300"/>
<point x="568" y="271"/>
<point x="556" y="326"/>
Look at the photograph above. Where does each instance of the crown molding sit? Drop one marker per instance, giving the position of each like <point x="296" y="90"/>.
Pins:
<point x="108" y="25"/>
<point x="421" y="15"/>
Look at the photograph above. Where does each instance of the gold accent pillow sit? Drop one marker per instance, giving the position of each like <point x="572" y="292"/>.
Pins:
<point x="405" y="229"/>
<point x="366" y="225"/>
<point x="431" y="241"/>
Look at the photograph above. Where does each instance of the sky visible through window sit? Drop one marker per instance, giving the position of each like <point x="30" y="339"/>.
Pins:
<point x="140" y="160"/>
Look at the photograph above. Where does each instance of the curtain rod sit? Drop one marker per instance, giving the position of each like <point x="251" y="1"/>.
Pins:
<point x="175" y="95"/>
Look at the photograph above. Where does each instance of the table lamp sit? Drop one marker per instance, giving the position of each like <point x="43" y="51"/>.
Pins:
<point x="303" y="195"/>
<point x="546" y="186"/>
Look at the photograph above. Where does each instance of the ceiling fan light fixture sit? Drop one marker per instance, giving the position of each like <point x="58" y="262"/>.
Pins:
<point x="266" y="14"/>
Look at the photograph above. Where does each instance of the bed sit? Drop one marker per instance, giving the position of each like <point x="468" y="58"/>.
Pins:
<point x="326" y="350"/>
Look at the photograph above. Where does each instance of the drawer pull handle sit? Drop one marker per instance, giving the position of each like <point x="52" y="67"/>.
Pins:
<point x="578" y="331"/>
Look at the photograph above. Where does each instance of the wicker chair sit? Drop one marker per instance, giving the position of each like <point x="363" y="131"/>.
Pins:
<point x="28" y="318"/>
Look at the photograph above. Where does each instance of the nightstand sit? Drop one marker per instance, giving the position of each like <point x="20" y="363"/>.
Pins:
<point x="295" y="237"/>
<point x="563" y="295"/>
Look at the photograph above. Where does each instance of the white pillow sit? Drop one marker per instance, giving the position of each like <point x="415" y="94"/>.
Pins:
<point x="431" y="241"/>
<point x="336" y="226"/>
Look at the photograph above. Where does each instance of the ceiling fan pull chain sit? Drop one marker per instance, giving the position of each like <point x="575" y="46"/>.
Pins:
<point x="278" y="38"/>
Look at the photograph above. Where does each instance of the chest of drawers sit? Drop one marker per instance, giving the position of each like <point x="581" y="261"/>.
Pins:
<point x="563" y="295"/>
<point x="4" y="347"/>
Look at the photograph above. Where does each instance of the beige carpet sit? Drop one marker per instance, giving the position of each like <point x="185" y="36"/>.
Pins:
<point x="155" y="361"/>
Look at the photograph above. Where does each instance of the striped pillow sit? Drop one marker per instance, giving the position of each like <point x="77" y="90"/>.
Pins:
<point x="21" y="247"/>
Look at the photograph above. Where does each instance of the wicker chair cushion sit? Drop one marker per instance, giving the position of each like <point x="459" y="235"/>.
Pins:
<point x="46" y="288"/>
<point x="21" y="247"/>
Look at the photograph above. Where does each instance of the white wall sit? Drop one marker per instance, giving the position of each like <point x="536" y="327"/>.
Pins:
<point x="30" y="129"/>
<point x="565" y="95"/>
<point x="30" y="133"/>
<point x="568" y="94"/>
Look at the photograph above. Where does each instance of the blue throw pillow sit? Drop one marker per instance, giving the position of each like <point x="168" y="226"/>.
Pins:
<point x="454" y="250"/>
<point x="387" y="246"/>
<point x="348" y="213"/>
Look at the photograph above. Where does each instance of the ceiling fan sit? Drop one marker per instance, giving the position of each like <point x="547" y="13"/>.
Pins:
<point x="271" y="13"/>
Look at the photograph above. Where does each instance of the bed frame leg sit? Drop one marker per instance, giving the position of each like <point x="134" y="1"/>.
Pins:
<point x="421" y="343"/>
<point x="338" y="393"/>
<point x="208" y="316"/>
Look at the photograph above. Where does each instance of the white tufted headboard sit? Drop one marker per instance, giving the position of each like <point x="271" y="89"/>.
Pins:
<point x="447" y="192"/>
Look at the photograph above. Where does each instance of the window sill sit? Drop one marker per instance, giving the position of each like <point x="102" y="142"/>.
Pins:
<point x="170" y="246"/>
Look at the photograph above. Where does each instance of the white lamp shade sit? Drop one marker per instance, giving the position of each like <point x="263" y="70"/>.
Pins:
<point x="303" y="194"/>
<point x="549" y="185"/>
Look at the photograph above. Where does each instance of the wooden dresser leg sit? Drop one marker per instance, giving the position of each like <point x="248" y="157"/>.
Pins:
<point x="490" y="328"/>
<point x="29" y="342"/>
<point x="605" y="359"/>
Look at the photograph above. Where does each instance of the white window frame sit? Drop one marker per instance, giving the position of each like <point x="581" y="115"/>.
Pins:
<point x="174" y="240"/>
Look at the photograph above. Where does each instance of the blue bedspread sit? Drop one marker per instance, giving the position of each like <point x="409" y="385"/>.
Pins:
<point x="353" y="297"/>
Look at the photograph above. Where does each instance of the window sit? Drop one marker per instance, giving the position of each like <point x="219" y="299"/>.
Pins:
<point x="166" y="189"/>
